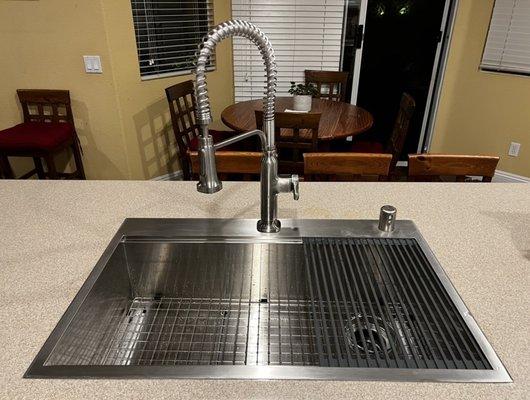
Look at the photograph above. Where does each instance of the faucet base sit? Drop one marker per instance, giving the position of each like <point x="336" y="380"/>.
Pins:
<point x="269" y="227"/>
<point x="209" y="188"/>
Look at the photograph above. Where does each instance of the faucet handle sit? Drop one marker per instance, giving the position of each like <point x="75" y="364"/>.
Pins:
<point x="295" y="186"/>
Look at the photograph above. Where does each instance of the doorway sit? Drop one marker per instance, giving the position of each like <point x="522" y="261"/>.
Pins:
<point x="391" y="47"/>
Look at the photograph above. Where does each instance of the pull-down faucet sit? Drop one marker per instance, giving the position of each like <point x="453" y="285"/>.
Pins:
<point x="271" y="183"/>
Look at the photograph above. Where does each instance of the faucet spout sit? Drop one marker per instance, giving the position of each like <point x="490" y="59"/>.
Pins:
<point x="271" y="183"/>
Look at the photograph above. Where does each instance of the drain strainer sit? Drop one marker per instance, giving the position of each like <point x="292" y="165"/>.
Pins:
<point x="363" y="333"/>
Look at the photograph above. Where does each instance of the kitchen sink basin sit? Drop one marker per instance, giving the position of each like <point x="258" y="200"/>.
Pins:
<point x="213" y="298"/>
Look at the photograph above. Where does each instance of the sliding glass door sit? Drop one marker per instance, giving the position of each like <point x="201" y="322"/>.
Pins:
<point x="391" y="47"/>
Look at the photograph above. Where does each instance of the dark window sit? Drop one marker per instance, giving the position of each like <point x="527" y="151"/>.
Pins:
<point x="168" y="33"/>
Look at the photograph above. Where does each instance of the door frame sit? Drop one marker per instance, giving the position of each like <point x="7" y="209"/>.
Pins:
<point x="438" y="75"/>
<point x="359" y="52"/>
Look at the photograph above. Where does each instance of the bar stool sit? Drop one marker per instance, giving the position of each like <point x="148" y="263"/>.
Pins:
<point x="48" y="129"/>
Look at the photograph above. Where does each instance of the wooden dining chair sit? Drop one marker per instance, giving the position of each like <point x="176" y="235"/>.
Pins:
<point x="295" y="134"/>
<point x="232" y="165"/>
<point x="182" y="107"/>
<point x="395" y="143"/>
<point x="432" y="167"/>
<point x="346" y="166"/>
<point x="331" y="85"/>
<point x="47" y="130"/>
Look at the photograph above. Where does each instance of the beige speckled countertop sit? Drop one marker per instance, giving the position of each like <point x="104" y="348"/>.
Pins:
<point x="52" y="234"/>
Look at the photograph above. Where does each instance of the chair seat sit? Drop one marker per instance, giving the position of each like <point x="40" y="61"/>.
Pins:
<point x="367" y="147"/>
<point x="219" y="136"/>
<point x="35" y="136"/>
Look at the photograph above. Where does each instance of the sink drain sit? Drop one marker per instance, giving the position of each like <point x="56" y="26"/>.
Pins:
<point x="362" y="333"/>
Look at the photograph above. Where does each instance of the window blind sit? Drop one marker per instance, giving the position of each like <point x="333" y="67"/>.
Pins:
<point x="168" y="33"/>
<point x="508" y="44"/>
<point x="305" y="34"/>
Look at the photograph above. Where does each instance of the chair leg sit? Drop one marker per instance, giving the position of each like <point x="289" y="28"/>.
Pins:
<point x="50" y="163"/>
<point x="39" y="168"/>
<point x="78" y="160"/>
<point x="6" y="169"/>
<point x="186" y="168"/>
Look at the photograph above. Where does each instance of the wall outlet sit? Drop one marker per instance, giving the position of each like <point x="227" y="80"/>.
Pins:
<point x="514" y="149"/>
<point x="93" y="65"/>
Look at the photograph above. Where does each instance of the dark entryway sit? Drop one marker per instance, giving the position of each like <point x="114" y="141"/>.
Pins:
<point x="401" y="39"/>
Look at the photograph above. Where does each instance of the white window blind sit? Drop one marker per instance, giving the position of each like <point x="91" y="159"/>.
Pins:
<point x="508" y="43"/>
<point x="168" y="33"/>
<point x="305" y="34"/>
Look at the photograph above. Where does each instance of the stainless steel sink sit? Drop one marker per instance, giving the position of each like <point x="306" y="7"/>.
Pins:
<point x="199" y="298"/>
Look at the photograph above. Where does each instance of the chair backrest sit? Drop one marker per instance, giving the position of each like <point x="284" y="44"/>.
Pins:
<point x="243" y="164"/>
<point x="295" y="134"/>
<point x="43" y="105"/>
<point x="431" y="167"/>
<point x="331" y="85"/>
<point x="346" y="166"/>
<point x="396" y="142"/>
<point x="181" y="100"/>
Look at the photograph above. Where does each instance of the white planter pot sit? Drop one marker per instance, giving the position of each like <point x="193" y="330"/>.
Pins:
<point x="302" y="103"/>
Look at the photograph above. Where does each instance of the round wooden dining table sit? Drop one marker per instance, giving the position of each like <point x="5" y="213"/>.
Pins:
<point x="338" y="120"/>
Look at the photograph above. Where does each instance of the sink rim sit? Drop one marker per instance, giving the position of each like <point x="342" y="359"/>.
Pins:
<point x="197" y="230"/>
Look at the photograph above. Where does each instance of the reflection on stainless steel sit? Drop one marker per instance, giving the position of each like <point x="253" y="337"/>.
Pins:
<point x="387" y="218"/>
<point x="271" y="183"/>
<point x="320" y="300"/>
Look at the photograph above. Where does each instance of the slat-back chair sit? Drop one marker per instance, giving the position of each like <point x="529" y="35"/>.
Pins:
<point x="244" y="165"/>
<point x="396" y="141"/>
<point x="395" y="144"/>
<point x="48" y="129"/>
<point x="295" y="134"/>
<point x="431" y="167"/>
<point x="346" y="166"/>
<point x="331" y="85"/>
<point x="41" y="105"/>
<point x="182" y="106"/>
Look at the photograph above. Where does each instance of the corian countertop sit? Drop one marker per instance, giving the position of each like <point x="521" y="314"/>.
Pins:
<point x="52" y="234"/>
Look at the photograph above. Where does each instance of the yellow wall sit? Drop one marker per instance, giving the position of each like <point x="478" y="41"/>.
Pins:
<point x="42" y="43"/>
<point x="123" y="123"/>
<point x="481" y="112"/>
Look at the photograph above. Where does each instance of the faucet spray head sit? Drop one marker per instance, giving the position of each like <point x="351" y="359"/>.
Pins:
<point x="208" y="180"/>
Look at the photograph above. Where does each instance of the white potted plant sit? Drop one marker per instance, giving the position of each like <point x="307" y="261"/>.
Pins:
<point x="303" y="92"/>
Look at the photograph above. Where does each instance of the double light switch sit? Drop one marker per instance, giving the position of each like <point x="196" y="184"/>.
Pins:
<point x="92" y="64"/>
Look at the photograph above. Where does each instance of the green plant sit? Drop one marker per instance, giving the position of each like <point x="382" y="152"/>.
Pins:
<point x="303" y="89"/>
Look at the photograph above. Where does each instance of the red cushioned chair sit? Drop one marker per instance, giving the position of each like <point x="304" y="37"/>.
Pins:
<point x="396" y="141"/>
<point x="182" y="106"/>
<point x="48" y="129"/>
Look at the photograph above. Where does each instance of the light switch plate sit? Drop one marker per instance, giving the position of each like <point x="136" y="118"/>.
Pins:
<point x="514" y="149"/>
<point x="93" y="65"/>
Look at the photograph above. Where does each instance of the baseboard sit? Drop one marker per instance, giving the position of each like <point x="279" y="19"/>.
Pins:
<point x="506" y="177"/>
<point x="172" y="176"/>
